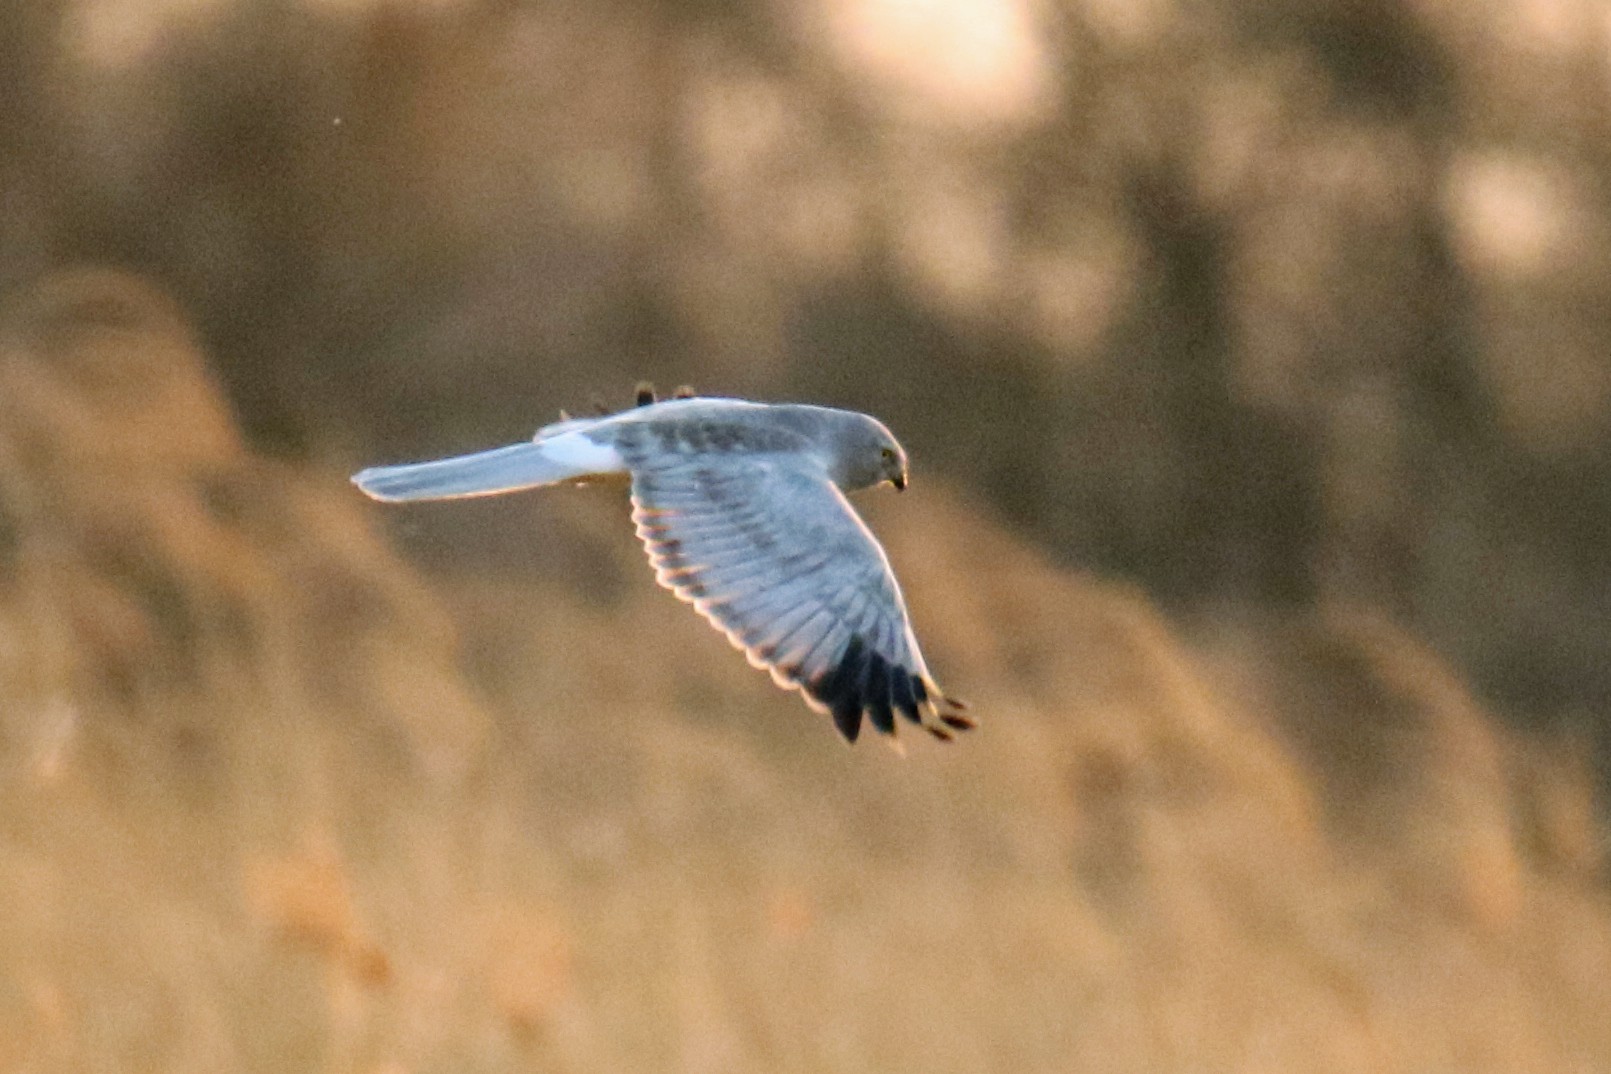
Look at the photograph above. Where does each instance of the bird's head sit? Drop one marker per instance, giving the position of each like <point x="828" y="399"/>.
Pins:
<point x="893" y="458"/>
<point x="869" y="455"/>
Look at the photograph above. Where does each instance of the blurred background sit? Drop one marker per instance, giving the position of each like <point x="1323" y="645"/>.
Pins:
<point x="1255" y="363"/>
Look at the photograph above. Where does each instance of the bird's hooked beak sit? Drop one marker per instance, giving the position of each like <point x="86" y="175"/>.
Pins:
<point x="899" y="481"/>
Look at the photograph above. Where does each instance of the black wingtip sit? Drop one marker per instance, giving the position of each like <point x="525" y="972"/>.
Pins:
<point x="863" y="685"/>
<point x="847" y="718"/>
<point x="840" y="688"/>
<point x="904" y="697"/>
<point x="876" y="693"/>
<point x="645" y="393"/>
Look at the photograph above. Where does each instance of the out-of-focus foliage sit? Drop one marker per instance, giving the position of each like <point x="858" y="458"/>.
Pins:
<point x="1291" y="315"/>
<point x="270" y="802"/>
<point x="1290" y="302"/>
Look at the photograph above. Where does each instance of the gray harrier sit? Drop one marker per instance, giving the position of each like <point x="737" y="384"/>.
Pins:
<point x="742" y="509"/>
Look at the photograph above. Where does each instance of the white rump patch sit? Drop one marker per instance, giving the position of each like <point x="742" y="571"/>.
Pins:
<point x="584" y="455"/>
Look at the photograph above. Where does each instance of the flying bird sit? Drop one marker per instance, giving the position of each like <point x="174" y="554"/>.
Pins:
<point x="741" y="507"/>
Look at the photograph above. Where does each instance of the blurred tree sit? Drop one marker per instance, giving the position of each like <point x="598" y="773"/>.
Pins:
<point x="1298" y="304"/>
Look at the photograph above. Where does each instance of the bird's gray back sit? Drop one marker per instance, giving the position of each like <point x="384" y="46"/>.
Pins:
<point x="717" y="427"/>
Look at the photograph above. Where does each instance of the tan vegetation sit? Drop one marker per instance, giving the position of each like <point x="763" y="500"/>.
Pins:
<point x="274" y="802"/>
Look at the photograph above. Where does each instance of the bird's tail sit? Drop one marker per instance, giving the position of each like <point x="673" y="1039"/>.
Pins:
<point x="546" y="461"/>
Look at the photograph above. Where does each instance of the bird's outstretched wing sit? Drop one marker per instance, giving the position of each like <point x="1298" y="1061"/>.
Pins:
<point x="768" y="550"/>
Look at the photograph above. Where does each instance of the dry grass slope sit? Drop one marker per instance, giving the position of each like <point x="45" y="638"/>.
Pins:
<point x="272" y="801"/>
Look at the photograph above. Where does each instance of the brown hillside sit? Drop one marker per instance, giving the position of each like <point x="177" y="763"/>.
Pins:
<point x="274" y="801"/>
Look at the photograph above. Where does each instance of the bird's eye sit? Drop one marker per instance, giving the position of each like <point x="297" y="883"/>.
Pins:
<point x="889" y="455"/>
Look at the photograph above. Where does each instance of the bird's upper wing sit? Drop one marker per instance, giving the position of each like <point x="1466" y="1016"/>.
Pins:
<point x="768" y="550"/>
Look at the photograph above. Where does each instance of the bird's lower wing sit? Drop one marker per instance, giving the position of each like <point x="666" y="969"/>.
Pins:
<point x="774" y="556"/>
